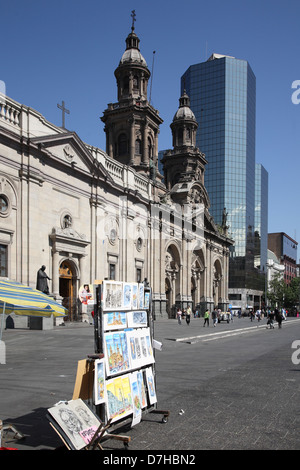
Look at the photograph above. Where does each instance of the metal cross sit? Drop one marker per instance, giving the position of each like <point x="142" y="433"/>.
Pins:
<point x="64" y="110"/>
<point x="133" y="15"/>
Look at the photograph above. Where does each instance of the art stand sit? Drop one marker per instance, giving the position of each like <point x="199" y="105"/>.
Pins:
<point x="119" y="378"/>
<point x="99" y="313"/>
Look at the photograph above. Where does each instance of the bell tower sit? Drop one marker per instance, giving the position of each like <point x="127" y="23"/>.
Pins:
<point x="132" y="124"/>
<point x="184" y="165"/>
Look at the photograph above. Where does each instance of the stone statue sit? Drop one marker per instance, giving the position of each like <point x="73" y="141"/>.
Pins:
<point x="224" y="218"/>
<point x="41" y="282"/>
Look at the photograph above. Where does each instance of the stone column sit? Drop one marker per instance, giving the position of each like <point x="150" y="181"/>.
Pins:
<point x="55" y="272"/>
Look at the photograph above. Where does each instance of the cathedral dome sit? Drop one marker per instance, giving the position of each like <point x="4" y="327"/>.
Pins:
<point x="133" y="55"/>
<point x="184" y="111"/>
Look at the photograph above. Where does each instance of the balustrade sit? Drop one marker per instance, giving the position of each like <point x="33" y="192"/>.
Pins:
<point x="9" y="112"/>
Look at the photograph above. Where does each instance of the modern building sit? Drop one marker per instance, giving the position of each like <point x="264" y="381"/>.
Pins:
<point x="285" y="249"/>
<point x="261" y="217"/>
<point x="89" y="214"/>
<point x="222" y="93"/>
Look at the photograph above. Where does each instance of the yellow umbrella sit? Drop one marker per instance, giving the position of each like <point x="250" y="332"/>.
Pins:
<point x="24" y="300"/>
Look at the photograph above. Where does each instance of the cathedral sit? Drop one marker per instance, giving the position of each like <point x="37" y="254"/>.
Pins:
<point x="89" y="214"/>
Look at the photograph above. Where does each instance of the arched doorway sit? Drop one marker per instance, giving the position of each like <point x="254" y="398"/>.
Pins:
<point x="172" y="270"/>
<point x="67" y="288"/>
<point x="217" y="284"/>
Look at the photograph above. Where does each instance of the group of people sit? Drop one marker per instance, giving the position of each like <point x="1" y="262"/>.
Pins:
<point x="187" y="313"/>
<point x="272" y="315"/>
<point x="275" y="315"/>
<point x="184" y="313"/>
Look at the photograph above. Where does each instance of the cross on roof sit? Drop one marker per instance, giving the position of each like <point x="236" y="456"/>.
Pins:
<point x="64" y="111"/>
<point x="133" y="16"/>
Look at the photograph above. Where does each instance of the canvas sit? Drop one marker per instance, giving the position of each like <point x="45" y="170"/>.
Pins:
<point x="74" y="419"/>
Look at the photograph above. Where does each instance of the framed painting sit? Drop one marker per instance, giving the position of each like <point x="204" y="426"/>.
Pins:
<point x="127" y="295"/>
<point x="137" y="319"/>
<point x="99" y="381"/>
<point x="112" y="295"/>
<point x="114" y="320"/>
<point x="116" y="357"/>
<point x="119" y="398"/>
<point x="151" y="386"/>
<point x="141" y="295"/>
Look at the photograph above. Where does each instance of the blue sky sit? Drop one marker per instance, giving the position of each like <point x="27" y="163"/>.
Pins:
<point x="68" y="50"/>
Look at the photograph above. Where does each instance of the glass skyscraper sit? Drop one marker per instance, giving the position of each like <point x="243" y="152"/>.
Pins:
<point x="222" y="93"/>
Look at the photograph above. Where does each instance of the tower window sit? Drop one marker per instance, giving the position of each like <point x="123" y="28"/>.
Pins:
<point x="180" y="137"/>
<point x="126" y="85"/>
<point x="138" y="147"/>
<point x="150" y="148"/>
<point x="135" y="82"/>
<point x="122" y="144"/>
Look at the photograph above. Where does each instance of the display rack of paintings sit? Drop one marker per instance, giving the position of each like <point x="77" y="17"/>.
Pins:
<point x="124" y="380"/>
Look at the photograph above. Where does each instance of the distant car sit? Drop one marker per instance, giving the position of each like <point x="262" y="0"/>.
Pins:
<point x="224" y="316"/>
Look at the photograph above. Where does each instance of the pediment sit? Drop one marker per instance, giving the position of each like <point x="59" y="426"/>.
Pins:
<point x="69" y="149"/>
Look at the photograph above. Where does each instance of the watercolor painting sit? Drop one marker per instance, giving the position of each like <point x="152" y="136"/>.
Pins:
<point x="134" y="298"/>
<point x="115" y="320"/>
<point x="137" y="319"/>
<point x="127" y="295"/>
<point x="141" y="296"/>
<point x="99" y="381"/>
<point x="117" y="358"/>
<point x="151" y="386"/>
<point x="147" y="300"/>
<point x="119" y="397"/>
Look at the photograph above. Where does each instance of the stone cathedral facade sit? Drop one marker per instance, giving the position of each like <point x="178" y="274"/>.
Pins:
<point x="89" y="214"/>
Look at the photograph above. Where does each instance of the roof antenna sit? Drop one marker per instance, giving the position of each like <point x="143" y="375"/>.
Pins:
<point x="151" y="77"/>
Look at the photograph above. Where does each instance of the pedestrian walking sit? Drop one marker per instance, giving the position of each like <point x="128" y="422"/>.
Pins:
<point x="278" y="316"/>
<point x="258" y="314"/>
<point x="179" y="314"/>
<point x="206" y="318"/>
<point x="188" y="315"/>
<point x="214" y="316"/>
<point x="251" y="315"/>
<point x="270" y="321"/>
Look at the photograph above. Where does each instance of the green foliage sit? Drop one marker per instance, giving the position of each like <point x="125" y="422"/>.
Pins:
<point x="282" y="295"/>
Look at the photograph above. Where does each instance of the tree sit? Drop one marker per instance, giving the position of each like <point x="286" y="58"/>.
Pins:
<point x="276" y="291"/>
<point x="282" y="295"/>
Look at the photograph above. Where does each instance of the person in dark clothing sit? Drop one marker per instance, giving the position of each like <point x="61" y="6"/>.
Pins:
<point x="278" y="316"/>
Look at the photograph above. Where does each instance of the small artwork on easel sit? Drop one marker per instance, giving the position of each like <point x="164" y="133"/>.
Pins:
<point x="99" y="381"/>
<point x="112" y="295"/>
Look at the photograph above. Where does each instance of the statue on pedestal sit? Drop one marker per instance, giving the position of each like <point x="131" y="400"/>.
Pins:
<point x="41" y="282"/>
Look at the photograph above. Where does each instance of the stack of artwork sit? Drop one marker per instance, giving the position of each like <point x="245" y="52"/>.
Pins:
<point x="119" y="295"/>
<point x="76" y="421"/>
<point x="124" y="378"/>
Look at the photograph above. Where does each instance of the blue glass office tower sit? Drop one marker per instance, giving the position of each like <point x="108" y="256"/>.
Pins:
<point x="222" y="93"/>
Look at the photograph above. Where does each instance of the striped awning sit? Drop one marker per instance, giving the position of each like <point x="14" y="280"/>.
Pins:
<point x="23" y="300"/>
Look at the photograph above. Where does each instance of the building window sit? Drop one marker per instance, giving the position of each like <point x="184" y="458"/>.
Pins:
<point x="3" y="261"/>
<point x="138" y="275"/>
<point x="112" y="272"/>
<point x="4" y="205"/>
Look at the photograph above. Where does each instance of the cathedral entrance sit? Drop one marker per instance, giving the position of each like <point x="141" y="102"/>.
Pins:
<point x="67" y="288"/>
